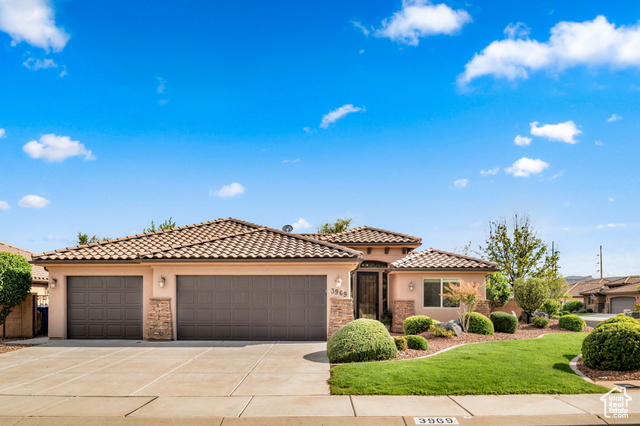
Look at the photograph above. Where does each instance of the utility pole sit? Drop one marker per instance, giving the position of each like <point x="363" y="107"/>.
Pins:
<point x="600" y="262"/>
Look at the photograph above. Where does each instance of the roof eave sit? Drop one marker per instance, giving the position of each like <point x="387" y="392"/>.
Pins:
<point x="487" y="270"/>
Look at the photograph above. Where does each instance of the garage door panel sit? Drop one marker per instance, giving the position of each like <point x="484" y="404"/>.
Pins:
<point x="258" y="307"/>
<point x="619" y="304"/>
<point x="104" y="307"/>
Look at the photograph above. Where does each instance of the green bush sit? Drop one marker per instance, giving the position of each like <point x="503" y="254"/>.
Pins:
<point x="15" y="282"/>
<point x="582" y="311"/>
<point x="386" y="318"/>
<point x="572" y="323"/>
<point x="551" y="307"/>
<point x="573" y="306"/>
<point x="401" y="343"/>
<point x="540" y="322"/>
<point x="530" y="294"/>
<point x="555" y="316"/>
<point x="498" y="290"/>
<point x="504" y="322"/>
<point x="443" y="332"/>
<point x="417" y="324"/>
<point x="479" y="324"/>
<point x="613" y="346"/>
<point x="618" y="319"/>
<point x="589" y="310"/>
<point x="361" y="340"/>
<point x="418" y="343"/>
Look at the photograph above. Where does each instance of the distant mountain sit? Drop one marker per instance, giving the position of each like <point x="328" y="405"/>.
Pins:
<point x="575" y="278"/>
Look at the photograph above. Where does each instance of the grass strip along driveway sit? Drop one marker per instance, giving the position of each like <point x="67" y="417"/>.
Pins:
<point x="535" y="366"/>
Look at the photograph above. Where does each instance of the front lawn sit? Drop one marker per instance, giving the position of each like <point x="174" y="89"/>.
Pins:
<point x="535" y="366"/>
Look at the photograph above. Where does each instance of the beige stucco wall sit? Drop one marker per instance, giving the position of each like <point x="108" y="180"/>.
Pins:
<point x="152" y="272"/>
<point x="377" y="253"/>
<point x="399" y="290"/>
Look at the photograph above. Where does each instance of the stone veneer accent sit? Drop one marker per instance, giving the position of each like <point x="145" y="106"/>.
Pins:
<point x="483" y="307"/>
<point x="402" y="309"/>
<point x="159" y="321"/>
<point x="341" y="313"/>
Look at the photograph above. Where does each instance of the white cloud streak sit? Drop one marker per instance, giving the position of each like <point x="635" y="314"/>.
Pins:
<point x="301" y="225"/>
<point x="3" y="133"/>
<point x="337" y="114"/>
<point x="571" y="44"/>
<point x="32" y="21"/>
<point x="38" y="64"/>
<point x="33" y="202"/>
<point x="421" y="18"/>
<point x="612" y="225"/>
<point x="614" y="117"/>
<point x="366" y="31"/>
<point x="564" y="132"/>
<point x="4" y="205"/>
<point x="228" y="191"/>
<point x="461" y="183"/>
<point x="162" y="84"/>
<point x="526" y="167"/>
<point x="56" y="148"/>
<point x="490" y="172"/>
<point x="522" y="141"/>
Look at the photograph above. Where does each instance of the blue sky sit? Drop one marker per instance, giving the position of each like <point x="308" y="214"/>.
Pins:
<point x="403" y="115"/>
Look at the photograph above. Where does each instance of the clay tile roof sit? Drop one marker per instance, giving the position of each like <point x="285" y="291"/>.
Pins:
<point x="623" y="281"/>
<point x="366" y="235"/>
<point x="38" y="273"/>
<point x="222" y="239"/>
<point x="627" y="288"/>
<point x="432" y="259"/>
<point x="587" y="287"/>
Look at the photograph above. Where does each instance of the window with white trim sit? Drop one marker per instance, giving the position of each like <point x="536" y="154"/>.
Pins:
<point x="432" y="288"/>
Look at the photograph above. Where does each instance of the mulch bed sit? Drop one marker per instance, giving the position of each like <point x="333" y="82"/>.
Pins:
<point x="525" y="331"/>
<point x="4" y="348"/>
<point x="608" y="375"/>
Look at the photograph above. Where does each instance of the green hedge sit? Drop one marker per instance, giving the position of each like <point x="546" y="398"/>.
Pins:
<point x="418" y="343"/>
<point x="540" y="322"/>
<point x="573" y="306"/>
<point x="479" y="324"/>
<point x="417" y="324"/>
<point x="401" y="343"/>
<point x="361" y="340"/>
<point x="613" y="346"/>
<point x="619" y="319"/>
<point x="572" y="323"/>
<point x="504" y="322"/>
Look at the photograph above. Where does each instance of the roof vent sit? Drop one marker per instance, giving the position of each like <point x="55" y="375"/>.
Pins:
<point x="287" y="228"/>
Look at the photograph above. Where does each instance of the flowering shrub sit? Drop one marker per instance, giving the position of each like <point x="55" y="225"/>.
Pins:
<point x="466" y="295"/>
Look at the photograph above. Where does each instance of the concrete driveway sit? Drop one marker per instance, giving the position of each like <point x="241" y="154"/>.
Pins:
<point x="172" y="369"/>
<point x="595" y="319"/>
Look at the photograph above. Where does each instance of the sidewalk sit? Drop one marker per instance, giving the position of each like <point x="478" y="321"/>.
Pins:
<point x="309" y="410"/>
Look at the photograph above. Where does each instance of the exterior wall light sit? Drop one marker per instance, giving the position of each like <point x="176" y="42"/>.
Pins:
<point x="54" y="281"/>
<point x="338" y="282"/>
<point x="162" y="281"/>
<point x="412" y="286"/>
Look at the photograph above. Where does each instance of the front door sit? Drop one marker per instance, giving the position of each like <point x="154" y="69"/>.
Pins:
<point x="367" y="295"/>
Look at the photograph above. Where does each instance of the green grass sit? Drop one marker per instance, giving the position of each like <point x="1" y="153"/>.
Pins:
<point x="535" y="366"/>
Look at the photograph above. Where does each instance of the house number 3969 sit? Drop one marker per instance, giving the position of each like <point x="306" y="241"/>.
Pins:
<point x="339" y="292"/>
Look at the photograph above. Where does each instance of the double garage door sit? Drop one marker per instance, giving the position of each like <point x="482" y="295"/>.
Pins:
<point x="619" y="304"/>
<point x="247" y="307"/>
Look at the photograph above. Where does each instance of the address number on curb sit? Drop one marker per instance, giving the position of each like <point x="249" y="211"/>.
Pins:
<point x="436" y="420"/>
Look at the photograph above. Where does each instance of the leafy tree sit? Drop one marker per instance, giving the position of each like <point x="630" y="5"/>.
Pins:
<point x="15" y="282"/>
<point x="340" y="225"/>
<point x="85" y="239"/>
<point x="558" y="288"/>
<point x="519" y="252"/>
<point x="530" y="294"/>
<point x="464" y="294"/>
<point x="498" y="290"/>
<point x="167" y="224"/>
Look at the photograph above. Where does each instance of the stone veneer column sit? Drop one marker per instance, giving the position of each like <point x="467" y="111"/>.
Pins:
<point x="159" y="321"/>
<point x="402" y="309"/>
<point x="340" y="314"/>
<point x="483" y="308"/>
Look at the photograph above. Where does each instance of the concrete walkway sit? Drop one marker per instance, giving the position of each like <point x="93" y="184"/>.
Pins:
<point x="595" y="319"/>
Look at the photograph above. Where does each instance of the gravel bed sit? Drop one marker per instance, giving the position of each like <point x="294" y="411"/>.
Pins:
<point x="4" y="348"/>
<point x="608" y="375"/>
<point x="525" y="331"/>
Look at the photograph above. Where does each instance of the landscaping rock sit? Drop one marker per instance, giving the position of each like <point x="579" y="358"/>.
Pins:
<point x="514" y="314"/>
<point x="541" y="314"/>
<point x="451" y="325"/>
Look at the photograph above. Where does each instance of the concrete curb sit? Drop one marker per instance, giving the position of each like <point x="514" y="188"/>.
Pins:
<point x="574" y="366"/>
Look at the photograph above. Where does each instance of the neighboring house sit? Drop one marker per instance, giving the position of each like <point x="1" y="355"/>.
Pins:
<point x="230" y="279"/>
<point x="612" y="294"/>
<point x="588" y="292"/>
<point x="40" y="276"/>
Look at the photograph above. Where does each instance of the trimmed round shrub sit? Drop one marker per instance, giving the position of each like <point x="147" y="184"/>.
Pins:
<point x="551" y="307"/>
<point x="443" y="332"/>
<point x="613" y="346"/>
<point x="572" y="323"/>
<point x="540" y="322"/>
<point x="361" y="340"/>
<point x="504" y="322"/>
<point x="573" y="306"/>
<point x="416" y="324"/>
<point x="479" y="324"/>
<point x="401" y="343"/>
<point x="619" y="319"/>
<point x="589" y="310"/>
<point x="418" y="343"/>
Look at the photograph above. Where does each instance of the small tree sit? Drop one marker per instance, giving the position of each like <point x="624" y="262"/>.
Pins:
<point x="465" y="294"/>
<point x="15" y="282"/>
<point x="340" y="225"/>
<point x="85" y="239"/>
<point x="498" y="290"/>
<point x="167" y="224"/>
<point x="558" y="288"/>
<point x="530" y="294"/>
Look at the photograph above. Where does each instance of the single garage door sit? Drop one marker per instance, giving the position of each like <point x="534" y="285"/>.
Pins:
<point x="619" y="304"/>
<point x="252" y="307"/>
<point x="104" y="307"/>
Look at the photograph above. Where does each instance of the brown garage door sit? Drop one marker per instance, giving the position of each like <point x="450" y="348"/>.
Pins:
<point x="104" y="307"/>
<point x="619" y="304"/>
<point x="252" y="307"/>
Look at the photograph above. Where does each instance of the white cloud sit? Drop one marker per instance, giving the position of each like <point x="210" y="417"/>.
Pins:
<point x="421" y="18"/>
<point x="301" y="224"/>
<point x="525" y="167"/>
<point x="39" y="64"/>
<point x="522" y="141"/>
<point x="612" y="225"/>
<point x="228" y="190"/>
<point x="3" y="133"/>
<point x="518" y="30"/>
<point x="337" y="114"/>
<point x="599" y="143"/>
<point x="366" y="31"/>
<point x="162" y="84"/>
<point x="56" y="148"/>
<point x="291" y="161"/>
<point x="33" y="202"/>
<point x="490" y="172"/>
<point x="63" y="72"/>
<point x="4" y="205"/>
<point x="361" y="51"/>
<point x="557" y="175"/>
<point x="611" y="199"/>
<point x="614" y="117"/>
<point x="461" y="183"/>
<point x="32" y="21"/>
<point x="564" y="132"/>
<point x="571" y="44"/>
